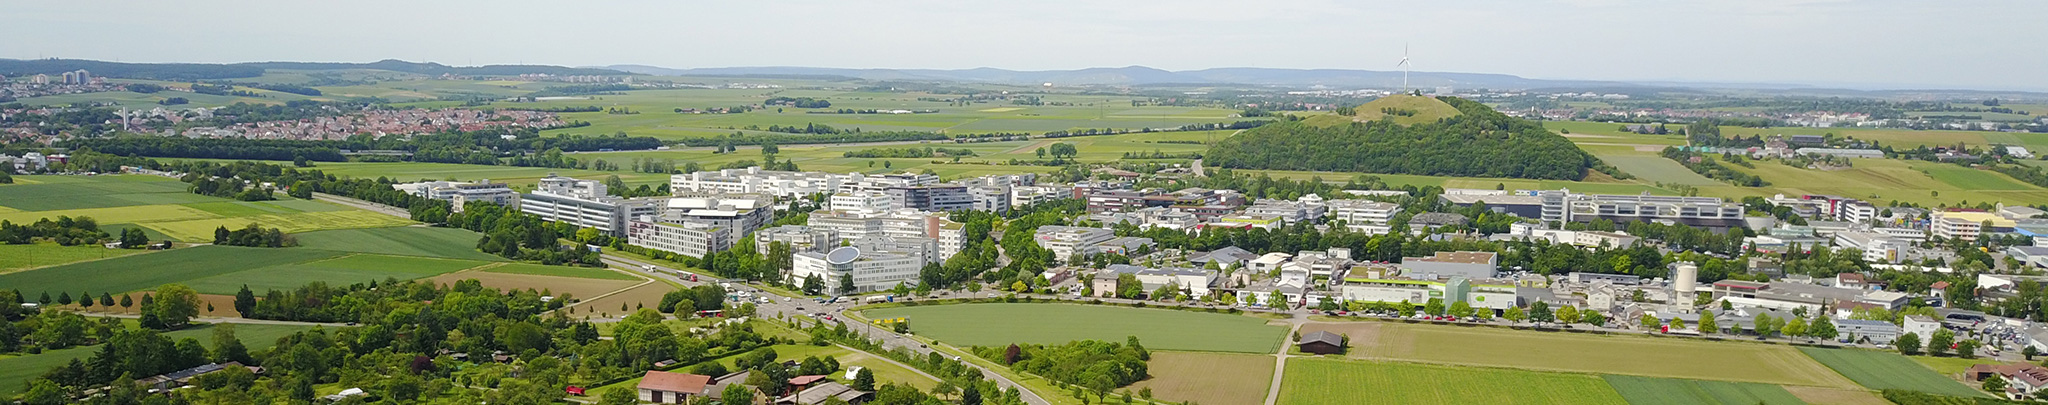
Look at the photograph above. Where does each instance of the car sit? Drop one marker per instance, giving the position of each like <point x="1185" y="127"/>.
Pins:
<point x="799" y="308"/>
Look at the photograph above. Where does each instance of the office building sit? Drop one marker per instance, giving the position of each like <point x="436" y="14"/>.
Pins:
<point x="584" y="203"/>
<point x="1066" y="242"/>
<point x="799" y="238"/>
<point x="1363" y="216"/>
<point x="461" y="193"/>
<point x="1470" y="265"/>
<point x="935" y="198"/>
<point x="869" y="270"/>
<point x="1564" y="206"/>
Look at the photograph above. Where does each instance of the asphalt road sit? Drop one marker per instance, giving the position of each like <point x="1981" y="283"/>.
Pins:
<point x="799" y="307"/>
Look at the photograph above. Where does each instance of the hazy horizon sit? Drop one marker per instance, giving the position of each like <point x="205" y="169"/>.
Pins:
<point x="1889" y="44"/>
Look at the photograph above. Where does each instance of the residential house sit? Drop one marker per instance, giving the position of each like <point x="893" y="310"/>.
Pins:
<point x="664" y="387"/>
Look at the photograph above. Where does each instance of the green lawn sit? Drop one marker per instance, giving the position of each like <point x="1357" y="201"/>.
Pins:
<point x="340" y="271"/>
<point x="17" y="257"/>
<point x="1318" y="381"/>
<point x="1657" y="169"/>
<point x="1949" y="366"/>
<point x="1886" y="370"/>
<point x="1003" y="324"/>
<point x="561" y="271"/>
<point x="1669" y="391"/>
<point x="148" y="271"/>
<point x="452" y="243"/>
<point x="15" y="372"/>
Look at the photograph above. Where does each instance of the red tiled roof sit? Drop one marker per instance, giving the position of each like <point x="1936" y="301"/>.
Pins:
<point x="674" y="382"/>
<point x="805" y="379"/>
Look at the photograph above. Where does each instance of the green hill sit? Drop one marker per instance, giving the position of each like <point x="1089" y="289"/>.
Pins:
<point x="1402" y="109"/>
<point x="1471" y="141"/>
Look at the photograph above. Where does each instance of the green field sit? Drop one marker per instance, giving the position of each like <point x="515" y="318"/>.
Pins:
<point x="560" y="271"/>
<point x="18" y="257"/>
<point x="339" y="271"/>
<point x="166" y="210"/>
<point x="1162" y="329"/>
<point x="15" y="372"/>
<point x="1588" y="353"/>
<point x="452" y="243"/>
<point x="1951" y="366"/>
<point x="78" y="192"/>
<point x="1886" y="370"/>
<point x="1657" y="169"/>
<point x="148" y="271"/>
<point x="1319" y="381"/>
<point x="1194" y="377"/>
<point x="1670" y="391"/>
<point x="1880" y="180"/>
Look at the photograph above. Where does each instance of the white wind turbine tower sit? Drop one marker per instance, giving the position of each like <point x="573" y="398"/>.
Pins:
<point x="1404" y="68"/>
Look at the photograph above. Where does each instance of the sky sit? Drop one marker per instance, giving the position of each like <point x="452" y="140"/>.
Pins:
<point x="1978" y="44"/>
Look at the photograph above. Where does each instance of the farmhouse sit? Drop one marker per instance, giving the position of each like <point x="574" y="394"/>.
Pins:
<point x="1321" y="342"/>
<point x="664" y="387"/>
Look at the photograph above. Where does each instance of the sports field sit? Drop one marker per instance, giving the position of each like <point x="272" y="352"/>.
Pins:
<point x="1320" y="381"/>
<point x="1561" y="351"/>
<point x="1197" y="377"/>
<point x="452" y="243"/>
<point x="1885" y="370"/>
<point x="15" y="372"/>
<point x="1672" y="391"/>
<point x="561" y="271"/>
<point x="1159" y="329"/>
<point x="18" y="257"/>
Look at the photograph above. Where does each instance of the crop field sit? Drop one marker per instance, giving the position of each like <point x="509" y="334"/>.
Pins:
<point x="519" y="177"/>
<point x="1595" y="184"/>
<point x="1951" y="366"/>
<point x="1560" y="351"/>
<point x="575" y="288"/>
<point x="1901" y="138"/>
<point x="162" y="207"/>
<point x="1671" y="391"/>
<point x="1884" y="370"/>
<point x="339" y="271"/>
<point x="1194" y="377"/>
<point x="561" y="271"/>
<point x="990" y="157"/>
<point x="15" y="372"/>
<point x="202" y="229"/>
<point x="646" y="295"/>
<point x="19" y="257"/>
<point x="1657" y="169"/>
<point x="1925" y="183"/>
<point x="1159" y="329"/>
<point x="1318" y="381"/>
<point x="79" y="192"/>
<point x="1836" y="396"/>
<point x="148" y="271"/>
<point x="452" y="243"/>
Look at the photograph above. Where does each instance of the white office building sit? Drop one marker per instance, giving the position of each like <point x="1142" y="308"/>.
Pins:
<point x="799" y="238"/>
<point x="870" y="270"/>
<point x="862" y="202"/>
<point x="1363" y="216"/>
<point x="461" y="193"/>
<point x="584" y="203"/>
<point x="1067" y="241"/>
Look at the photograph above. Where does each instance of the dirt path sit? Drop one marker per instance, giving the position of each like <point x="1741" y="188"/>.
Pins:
<point x="1280" y="361"/>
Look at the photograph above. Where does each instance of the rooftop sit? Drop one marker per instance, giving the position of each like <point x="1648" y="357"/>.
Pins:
<point x="1456" y="257"/>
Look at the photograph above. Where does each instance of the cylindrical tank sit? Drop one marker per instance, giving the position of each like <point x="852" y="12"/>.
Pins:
<point x="1688" y="275"/>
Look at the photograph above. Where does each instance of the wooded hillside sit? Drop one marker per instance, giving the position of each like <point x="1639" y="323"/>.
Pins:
<point x="1480" y="142"/>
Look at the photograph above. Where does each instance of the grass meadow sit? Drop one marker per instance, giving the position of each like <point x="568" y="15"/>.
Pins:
<point x="1587" y="353"/>
<point x="1671" y="391"/>
<point x="166" y="210"/>
<point x="1885" y="370"/>
<point x="148" y="271"/>
<point x="1159" y="329"/>
<point x="1318" y="381"/>
<point x="336" y="271"/>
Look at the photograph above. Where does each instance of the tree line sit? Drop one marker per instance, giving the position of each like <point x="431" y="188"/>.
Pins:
<point x="925" y="152"/>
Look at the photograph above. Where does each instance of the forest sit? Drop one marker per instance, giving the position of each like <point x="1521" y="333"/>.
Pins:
<point x="1478" y="143"/>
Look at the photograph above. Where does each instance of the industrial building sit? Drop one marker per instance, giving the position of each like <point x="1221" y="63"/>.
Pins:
<point x="1470" y="265"/>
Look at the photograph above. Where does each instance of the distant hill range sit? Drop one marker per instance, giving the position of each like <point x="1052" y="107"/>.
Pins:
<point x="215" y="71"/>
<point x="1143" y="76"/>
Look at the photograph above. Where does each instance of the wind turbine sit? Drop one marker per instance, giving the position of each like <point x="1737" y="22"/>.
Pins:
<point x="1404" y="68"/>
